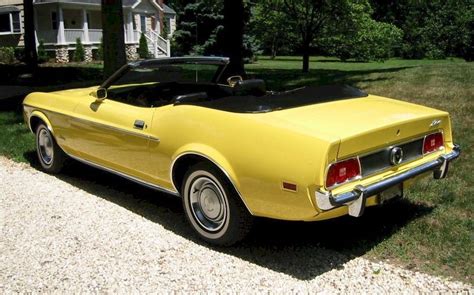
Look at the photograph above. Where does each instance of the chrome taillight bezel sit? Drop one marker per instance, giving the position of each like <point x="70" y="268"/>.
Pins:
<point x="359" y="176"/>
<point x="440" y="148"/>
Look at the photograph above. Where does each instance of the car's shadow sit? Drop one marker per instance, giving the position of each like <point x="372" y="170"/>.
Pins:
<point x="301" y="250"/>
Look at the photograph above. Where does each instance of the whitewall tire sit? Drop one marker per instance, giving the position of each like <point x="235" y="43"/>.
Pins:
<point x="50" y="155"/>
<point x="212" y="206"/>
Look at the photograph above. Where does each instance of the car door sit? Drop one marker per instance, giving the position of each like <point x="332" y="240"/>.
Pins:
<point x="113" y="135"/>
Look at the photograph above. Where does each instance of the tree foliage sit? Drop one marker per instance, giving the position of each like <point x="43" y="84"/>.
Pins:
<point x="272" y="28"/>
<point x="362" y="38"/>
<point x="350" y="29"/>
<point x="200" y="29"/>
<point x="432" y="29"/>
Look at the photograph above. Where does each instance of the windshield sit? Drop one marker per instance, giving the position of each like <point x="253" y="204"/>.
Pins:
<point x="179" y="73"/>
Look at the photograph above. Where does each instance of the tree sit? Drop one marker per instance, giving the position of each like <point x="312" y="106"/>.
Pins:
<point x="433" y="29"/>
<point x="199" y="29"/>
<point x="143" y="47"/>
<point x="361" y="37"/>
<point x="31" y="57"/>
<point x="271" y="26"/>
<point x="234" y="36"/>
<point x="42" y="54"/>
<point x="311" y="18"/>
<point x="79" y="53"/>
<point x="113" y="36"/>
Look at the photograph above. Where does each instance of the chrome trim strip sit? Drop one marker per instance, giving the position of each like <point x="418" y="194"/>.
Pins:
<point x="215" y="163"/>
<point x="131" y="178"/>
<point x="352" y="199"/>
<point x="113" y="128"/>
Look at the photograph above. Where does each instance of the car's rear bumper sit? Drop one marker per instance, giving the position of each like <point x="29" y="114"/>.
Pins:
<point x="356" y="199"/>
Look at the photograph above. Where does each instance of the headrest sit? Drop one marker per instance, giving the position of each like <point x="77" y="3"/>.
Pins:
<point x="250" y="87"/>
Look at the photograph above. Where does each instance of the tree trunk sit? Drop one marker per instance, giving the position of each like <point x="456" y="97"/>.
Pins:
<point x="306" y="52"/>
<point x="274" y="50"/>
<point x="113" y="36"/>
<point x="233" y="36"/>
<point x="31" y="56"/>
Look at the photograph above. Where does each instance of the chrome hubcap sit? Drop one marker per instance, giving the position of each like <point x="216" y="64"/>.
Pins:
<point x="45" y="146"/>
<point x="208" y="204"/>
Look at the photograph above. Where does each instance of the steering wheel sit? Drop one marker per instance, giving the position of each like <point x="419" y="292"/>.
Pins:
<point x="232" y="80"/>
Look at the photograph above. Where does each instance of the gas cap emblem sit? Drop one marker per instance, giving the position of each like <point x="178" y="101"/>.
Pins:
<point x="396" y="155"/>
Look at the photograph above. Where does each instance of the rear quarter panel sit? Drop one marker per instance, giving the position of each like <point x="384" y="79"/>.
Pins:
<point x="256" y="154"/>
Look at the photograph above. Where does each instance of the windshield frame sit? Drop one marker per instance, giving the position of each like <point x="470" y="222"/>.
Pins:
<point x="222" y="62"/>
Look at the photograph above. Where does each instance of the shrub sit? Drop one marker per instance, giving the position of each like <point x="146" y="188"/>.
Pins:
<point x="143" y="47"/>
<point x="42" y="54"/>
<point x="79" y="53"/>
<point x="20" y="54"/>
<point x="368" y="40"/>
<point x="7" y="55"/>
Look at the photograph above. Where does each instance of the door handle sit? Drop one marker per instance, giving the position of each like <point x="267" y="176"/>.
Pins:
<point x="139" y="124"/>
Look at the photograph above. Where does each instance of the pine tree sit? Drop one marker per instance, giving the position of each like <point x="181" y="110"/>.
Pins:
<point x="42" y="54"/>
<point x="143" y="47"/>
<point x="79" y="54"/>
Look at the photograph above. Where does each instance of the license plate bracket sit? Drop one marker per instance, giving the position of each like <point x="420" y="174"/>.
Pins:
<point x="393" y="192"/>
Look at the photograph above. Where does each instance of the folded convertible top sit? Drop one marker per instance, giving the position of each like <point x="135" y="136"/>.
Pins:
<point x="283" y="100"/>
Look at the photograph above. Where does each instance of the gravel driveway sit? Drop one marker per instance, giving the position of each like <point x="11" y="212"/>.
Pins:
<point x="71" y="233"/>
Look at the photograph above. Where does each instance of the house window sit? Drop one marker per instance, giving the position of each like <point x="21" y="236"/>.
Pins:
<point x="143" y="23"/>
<point x="10" y="23"/>
<point x="16" y="22"/>
<point x="54" y="20"/>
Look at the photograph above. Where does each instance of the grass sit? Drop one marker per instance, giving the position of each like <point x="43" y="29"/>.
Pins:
<point x="432" y="230"/>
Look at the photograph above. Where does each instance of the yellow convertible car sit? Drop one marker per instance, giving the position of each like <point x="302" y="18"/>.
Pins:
<point x="234" y="150"/>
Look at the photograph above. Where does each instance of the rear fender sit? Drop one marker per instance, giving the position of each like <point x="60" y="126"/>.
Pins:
<point x="213" y="156"/>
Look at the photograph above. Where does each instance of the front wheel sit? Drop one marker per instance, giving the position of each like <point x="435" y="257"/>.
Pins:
<point x="213" y="207"/>
<point x="50" y="155"/>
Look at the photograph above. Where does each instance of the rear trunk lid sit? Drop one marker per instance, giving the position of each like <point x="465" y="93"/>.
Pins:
<point x="364" y="124"/>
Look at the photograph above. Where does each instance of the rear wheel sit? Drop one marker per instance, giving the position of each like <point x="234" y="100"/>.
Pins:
<point x="50" y="155"/>
<point x="213" y="207"/>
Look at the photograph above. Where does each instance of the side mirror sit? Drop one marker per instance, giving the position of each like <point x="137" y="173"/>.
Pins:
<point x="100" y="94"/>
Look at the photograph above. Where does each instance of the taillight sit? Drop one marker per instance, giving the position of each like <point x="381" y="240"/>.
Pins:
<point x="433" y="142"/>
<point x="343" y="171"/>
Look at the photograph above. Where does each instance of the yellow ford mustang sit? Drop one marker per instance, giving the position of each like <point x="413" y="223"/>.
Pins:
<point x="236" y="151"/>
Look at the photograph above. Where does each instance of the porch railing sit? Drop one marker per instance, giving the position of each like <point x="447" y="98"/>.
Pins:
<point x="157" y="45"/>
<point x="95" y="35"/>
<point x="72" y="34"/>
<point x="47" y="36"/>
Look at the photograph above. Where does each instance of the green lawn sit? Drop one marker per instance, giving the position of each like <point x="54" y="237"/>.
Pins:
<point x="433" y="229"/>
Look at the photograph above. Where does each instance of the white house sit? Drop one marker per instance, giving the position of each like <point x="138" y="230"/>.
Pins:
<point x="59" y="23"/>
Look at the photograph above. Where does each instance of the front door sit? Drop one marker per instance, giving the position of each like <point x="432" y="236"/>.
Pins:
<point x="114" y="135"/>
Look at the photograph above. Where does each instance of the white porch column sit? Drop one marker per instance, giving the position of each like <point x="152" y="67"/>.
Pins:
<point x="131" y="36"/>
<point x="61" y="36"/>
<point x="158" y="27"/>
<point x="85" y="27"/>
<point x="35" y="15"/>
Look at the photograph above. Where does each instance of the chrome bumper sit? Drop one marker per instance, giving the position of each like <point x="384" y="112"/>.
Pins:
<point x="356" y="198"/>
